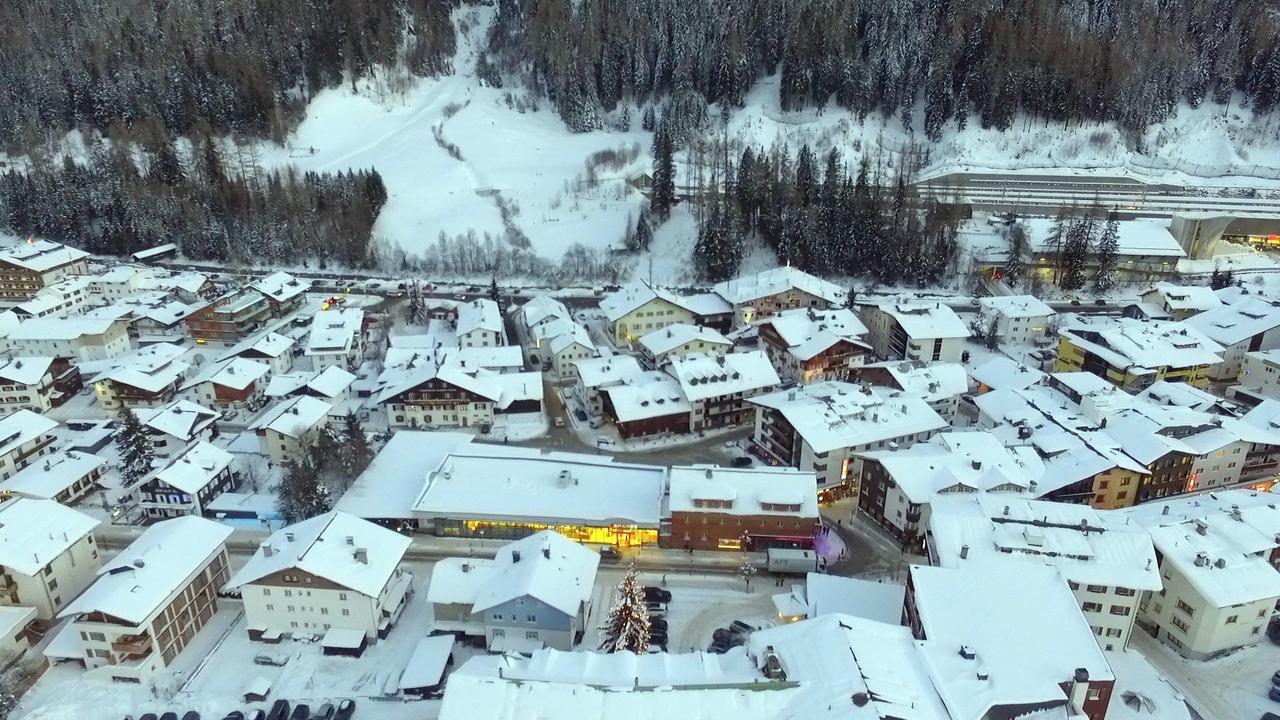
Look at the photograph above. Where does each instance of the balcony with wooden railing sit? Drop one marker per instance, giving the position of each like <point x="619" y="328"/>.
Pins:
<point x="133" y="646"/>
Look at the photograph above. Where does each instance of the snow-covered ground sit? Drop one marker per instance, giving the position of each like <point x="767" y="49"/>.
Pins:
<point x="1227" y="688"/>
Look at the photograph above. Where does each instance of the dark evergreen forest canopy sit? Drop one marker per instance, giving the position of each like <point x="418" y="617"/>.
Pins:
<point x="247" y="66"/>
<point x="1129" y="61"/>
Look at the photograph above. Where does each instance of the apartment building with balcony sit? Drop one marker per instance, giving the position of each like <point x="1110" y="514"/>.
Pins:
<point x="80" y="339"/>
<point x="26" y="268"/>
<point x="660" y="347"/>
<point x="148" y="377"/>
<point x="1247" y="325"/>
<point x="811" y="344"/>
<point x="187" y="483"/>
<point x="271" y="348"/>
<point x="910" y="329"/>
<point x="336" y="338"/>
<point x="177" y="425"/>
<point x="1133" y="354"/>
<point x="48" y="554"/>
<point x="24" y="438"/>
<point x="289" y="428"/>
<point x="230" y="318"/>
<point x="149" y="602"/>
<point x="283" y="291"/>
<point x="27" y="383"/>
<point x="770" y="292"/>
<point x="65" y="476"/>
<point x="718" y="388"/>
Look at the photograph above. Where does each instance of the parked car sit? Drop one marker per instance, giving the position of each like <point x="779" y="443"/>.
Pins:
<point x="279" y="710"/>
<point x="1099" y="301"/>
<point x="1275" y="678"/>
<point x="273" y="659"/>
<point x="148" y="716"/>
<point x="658" y="623"/>
<point x="258" y="715"/>
<point x="654" y="606"/>
<point x="610" y="554"/>
<point x="301" y="711"/>
<point x="717" y="648"/>
<point x="578" y="413"/>
<point x="169" y="716"/>
<point x="346" y="708"/>
<point x="657" y="594"/>
<point x="737" y="627"/>
<point x="596" y="423"/>
<point x="1075" y="302"/>
<point x="324" y="712"/>
<point x="558" y="421"/>
<point x="191" y="715"/>
<point x="234" y="715"/>
<point x="740" y="462"/>
<point x="720" y="635"/>
<point x="1274" y="693"/>
<point x="1269" y="716"/>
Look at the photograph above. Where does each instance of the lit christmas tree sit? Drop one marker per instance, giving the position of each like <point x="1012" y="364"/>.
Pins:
<point x="628" y="625"/>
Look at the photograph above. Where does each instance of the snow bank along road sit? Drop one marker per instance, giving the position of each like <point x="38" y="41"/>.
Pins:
<point x="998" y="192"/>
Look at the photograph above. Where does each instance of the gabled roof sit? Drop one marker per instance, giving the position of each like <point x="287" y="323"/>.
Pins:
<point x="333" y="331"/>
<point x="34" y="532"/>
<point x="281" y="286"/>
<point x="931" y="381"/>
<point x="20" y="427"/>
<point x="999" y="372"/>
<point x="329" y="382"/>
<point x="666" y="339"/>
<point x="703" y="375"/>
<point x="647" y="395"/>
<point x="294" y="417"/>
<point x="749" y="288"/>
<point x="958" y="462"/>
<point x="599" y="372"/>
<point x="546" y="566"/>
<point x="41" y="255"/>
<point x="152" y="368"/>
<point x="269" y="343"/>
<point x="25" y="370"/>
<point x="479" y="314"/>
<point x="543" y="308"/>
<point x="196" y="467"/>
<point x="62" y="328"/>
<point x="52" y="475"/>
<point x="1143" y="344"/>
<point x="136" y="582"/>
<point x="638" y="294"/>
<point x="1015" y="306"/>
<point x="1237" y="322"/>
<point x="808" y="331"/>
<point x="239" y="373"/>
<point x="328" y="546"/>
<point x="832" y="415"/>
<point x="181" y="419"/>
<point x="1183" y="297"/>
<point x="749" y="490"/>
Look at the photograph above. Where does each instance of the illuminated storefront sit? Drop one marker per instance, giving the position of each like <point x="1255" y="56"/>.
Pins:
<point x="616" y="534"/>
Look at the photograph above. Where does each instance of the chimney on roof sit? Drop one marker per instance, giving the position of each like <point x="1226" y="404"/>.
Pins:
<point x="466" y="567"/>
<point x="515" y="556"/>
<point x="267" y="550"/>
<point x="709" y="473"/>
<point x="362" y="556"/>
<point x="1202" y="527"/>
<point x="1165" y="510"/>
<point x="967" y="652"/>
<point x="1236" y="514"/>
<point x="976" y="463"/>
<point x="1220" y="563"/>
<point x="351" y="540"/>
<point x="1202" y="559"/>
<point x="1006" y="510"/>
<point x="289" y="536"/>
<point x="860" y="699"/>
<point x="546" y="551"/>
<point x="964" y="552"/>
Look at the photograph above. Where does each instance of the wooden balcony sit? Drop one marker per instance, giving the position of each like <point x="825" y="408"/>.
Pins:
<point x="133" y="646"/>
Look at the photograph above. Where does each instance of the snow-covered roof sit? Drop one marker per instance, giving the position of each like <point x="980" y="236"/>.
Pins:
<point x="392" y="482"/>
<point x="1025" y="628"/>
<point x="343" y="549"/>
<point x="1142" y="237"/>
<point x="831" y="594"/>
<point x="749" y="288"/>
<point x="749" y="491"/>
<point x="33" y="532"/>
<point x="457" y="581"/>
<point x="638" y="294"/>
<point x="153" y="368"/>
<point x="664" y="340"/>
<point x="196" y="467"/>
<point x="924" y="319"/>
<point x="626" y="670"/>
<point x="543" y="308"/>
<point x="545" y="566"/>
<point x="1141" y="692"/>
<point x="140" y="579"/>
<point x="958" y="462"/>
<point x="281" y="286"/>
<point x="1180" y="394"/>
<point x="269" y="344"/>
<point x="1142" y="345"/>
<point x="293" y="417"/>
<point x="479" y="314"/>
<point x="809" y="331"/>
<point x="20" y="427"/>
<point x="181" y="418"/>
<point x="238" y="373"/>
<point x="52" y="475"/>
<point x="1094" y="547"/>
<point x="837" y="657"/>
<point x="425" y="667"/>
<point x="62" y="328"/>
<point x="27" y="370"/>
<point x="1237" y="322"/>
<point x="645" y="395"/>
<point x="1182" y="297"/>
<point x="566" y="335"/>
<point x="599" y="372"/>
<point x="999" y="372"/>
<point x="705" y="375"/>
<point x="831" y="415"/>
<point x="930" y="381"/>
<point x="15" y="618"/>
<point x="1209" y="554"/>
<point x="41" y="255"/>
<point x="1015" y="306"/>
<point x="330" y="382"/>
<point x="405" y="369"/>
<point x="333" y="331"/>
<point x="516" y="482"/>
<point x="187" y="281"/>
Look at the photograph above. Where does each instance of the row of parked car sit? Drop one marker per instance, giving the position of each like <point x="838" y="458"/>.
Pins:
<point x="656" y="599"/>
<point x="280" y="710"/>
<point x="733" y="636"/>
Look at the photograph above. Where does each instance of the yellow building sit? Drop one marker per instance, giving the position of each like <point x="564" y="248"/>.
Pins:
<point x="1132" y="354"/>
<point x="637" y="310"/>
<point x="1115" y="488"/>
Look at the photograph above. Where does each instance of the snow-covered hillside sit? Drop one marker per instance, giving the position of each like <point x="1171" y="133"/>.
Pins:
<point x="453" y="153"/>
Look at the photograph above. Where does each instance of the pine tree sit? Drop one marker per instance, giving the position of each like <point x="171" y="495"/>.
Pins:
<point x="662" y="194"/>
<point x="627" y="627"/>
<point x="1215" y="280"/>
<point x="134" y="445"/>
<point x="648" y="121"/>
<point x="416" y="311"/>
<point x="1013" y="269"/>
<point x="494" y="293"/>
<point x="356" y="453"/>
<point x="302" y="494"/>
<point x="643" y="235"/>
<point x="1105" y="254"/>
<point x="1075" y="253"/>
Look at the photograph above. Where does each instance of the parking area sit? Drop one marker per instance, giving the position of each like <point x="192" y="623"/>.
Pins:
<point x="1233" y="687"/>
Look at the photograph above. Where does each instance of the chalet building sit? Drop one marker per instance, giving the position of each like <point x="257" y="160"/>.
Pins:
<point x="179" y="424"/>
<point x="283" y="291"/>
<point x="26" y="268"/>
<point x="425" y="389"/>
<point x="273" y="349"/>
<point x="939" y="384"/>
<point x="640" y="308"/>
<point x="187" y="483"/>
<point x="660" y="347"/>
<point x="149" y="377"/>
<point x="714" y="508"/>
<point x="765" y="294"/>
<point x="331" y="572"/>
<point x="28" y="383"/>
<point x="717" y="388"/>
<point x="595" y="374"/>
<point x="65" y="476"/>
<point x="48" y="554"/>
<point x="148" y="603"/>
<point x="1133" y="354"/>
<point x="647" y="404"/>
<point x="79" y="339"/>
<point x="25" y="437"/>
<point x="909" y="329"/>
<point x="1247" y="325"/>
<point x="812" y="345"/>
<point x="1180" y="302"/>
<point x="336" y="338"/>
<point x="288" y="429"/>
<point x="230" y="318"/>
<point x="236" y="383"/>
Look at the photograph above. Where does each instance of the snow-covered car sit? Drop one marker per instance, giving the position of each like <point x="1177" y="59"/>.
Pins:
<point x="273" y="659"/>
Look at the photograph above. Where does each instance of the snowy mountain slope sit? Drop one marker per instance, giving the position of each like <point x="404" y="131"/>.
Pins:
<point x="527" y="159"/>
